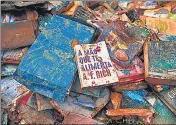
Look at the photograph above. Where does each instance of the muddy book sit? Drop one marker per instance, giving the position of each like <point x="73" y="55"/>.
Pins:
<point x="94" y="65"/>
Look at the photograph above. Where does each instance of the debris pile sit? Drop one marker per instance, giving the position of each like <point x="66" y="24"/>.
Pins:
<point x="88" y="62"/>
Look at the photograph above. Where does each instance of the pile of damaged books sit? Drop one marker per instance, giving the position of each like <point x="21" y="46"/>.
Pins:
<point x="88" y="62"/>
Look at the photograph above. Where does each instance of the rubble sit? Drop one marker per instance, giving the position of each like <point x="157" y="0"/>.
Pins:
<point x="88" y="62"/>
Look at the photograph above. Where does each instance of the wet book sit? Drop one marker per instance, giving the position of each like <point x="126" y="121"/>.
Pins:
<point x="159" y="61"/>
<point x="32" y="116"/>
<point x="134" y="73"/>
<point x="94" y="65"/>
<point x="49" y="68"/>
<point x="93" y="91"/>
<point x="167" y="94"/>
<point x="169" y="97"/>
<point x="167" y="26"/>
<point x="11" y="90"/>
<point x="124" y="41"/>
<point x="17" y="34"/>
<point x="164" y="115"/>
<point x="84" y="105"/>
<point x="83" y="14"/>
<point x="13" y="56"/>
<point x="8" y="69"/>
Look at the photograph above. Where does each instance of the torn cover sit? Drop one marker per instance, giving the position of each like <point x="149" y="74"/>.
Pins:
<point x="48" y="67"/>
<point x="94" y="65"/>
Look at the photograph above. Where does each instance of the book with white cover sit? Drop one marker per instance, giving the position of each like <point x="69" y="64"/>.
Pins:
<point x="94" y="65"/>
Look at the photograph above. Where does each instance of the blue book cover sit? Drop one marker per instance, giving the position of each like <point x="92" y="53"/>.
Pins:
<point x="49" y="68"/>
